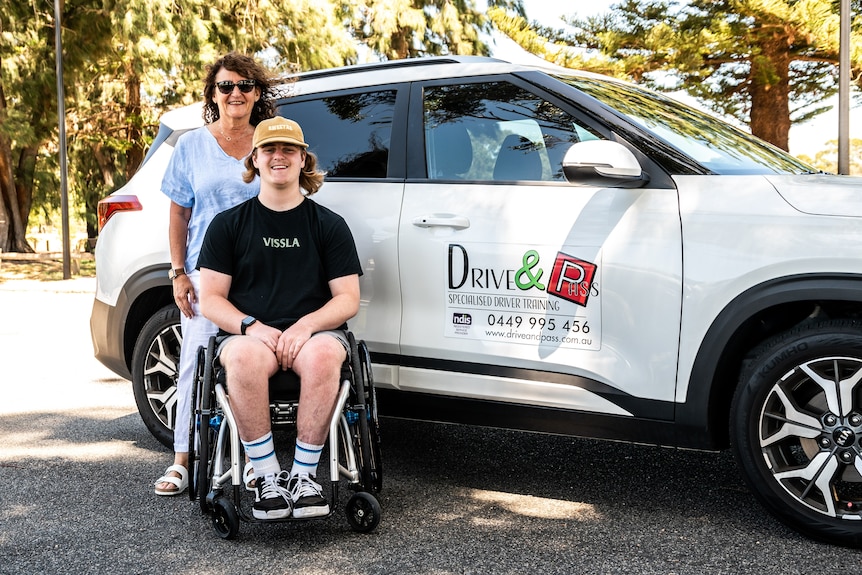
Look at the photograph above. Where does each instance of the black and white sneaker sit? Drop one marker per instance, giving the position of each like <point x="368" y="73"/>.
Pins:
<point x="271" y="501"/>
<point x="307" y="498"/>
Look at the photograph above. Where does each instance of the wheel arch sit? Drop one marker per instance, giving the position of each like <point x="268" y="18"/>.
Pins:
<point x="146" y="292"/>
<point x="750" y="318"/>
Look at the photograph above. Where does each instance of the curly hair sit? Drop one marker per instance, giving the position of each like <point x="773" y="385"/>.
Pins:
<point x="310" y="178"/>
<point x="246" y="67"/>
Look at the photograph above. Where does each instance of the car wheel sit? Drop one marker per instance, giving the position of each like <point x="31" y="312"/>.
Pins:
<point x="155" y="367"/>
<point x="796" y="427"/>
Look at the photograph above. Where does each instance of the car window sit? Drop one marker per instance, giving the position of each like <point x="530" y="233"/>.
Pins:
<point x="350" y="134"/>
<point x="715" y="144"/>
<point x="496" y="131"/>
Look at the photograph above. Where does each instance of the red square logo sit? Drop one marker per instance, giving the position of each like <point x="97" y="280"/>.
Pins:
<point x="571" y="279"/>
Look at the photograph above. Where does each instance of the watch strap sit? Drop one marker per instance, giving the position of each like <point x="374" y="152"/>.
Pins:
<point x="246" y="323"/>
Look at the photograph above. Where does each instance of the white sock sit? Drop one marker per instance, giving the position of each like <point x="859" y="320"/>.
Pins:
<point x="261" y="452"/>
<point x="305" y="458"/>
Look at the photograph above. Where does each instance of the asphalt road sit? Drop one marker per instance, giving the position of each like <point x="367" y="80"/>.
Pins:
<point x="77" y="467"/>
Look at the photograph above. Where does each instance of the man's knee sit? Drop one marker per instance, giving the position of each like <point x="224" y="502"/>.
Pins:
<point x="247" y="355"/>
<point x="325" y="350"/>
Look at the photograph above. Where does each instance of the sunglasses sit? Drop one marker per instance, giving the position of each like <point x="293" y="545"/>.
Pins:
<point x="245" y="86"/>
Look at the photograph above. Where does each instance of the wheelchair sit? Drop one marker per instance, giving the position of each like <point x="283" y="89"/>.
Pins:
<point x="216" y="459"/>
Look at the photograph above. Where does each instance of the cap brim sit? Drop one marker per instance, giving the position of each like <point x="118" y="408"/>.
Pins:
<point x="282" y="139"/>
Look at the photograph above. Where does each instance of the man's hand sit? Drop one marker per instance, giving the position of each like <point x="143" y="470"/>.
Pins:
<point x="290" y="343"/>
<point x="267" y="334"/>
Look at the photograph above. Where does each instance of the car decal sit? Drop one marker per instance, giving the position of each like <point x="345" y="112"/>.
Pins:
<point x="504" y="293"/>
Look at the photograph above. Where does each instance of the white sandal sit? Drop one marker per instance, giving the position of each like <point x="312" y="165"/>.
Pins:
<point x="248" y="477"/>
<point x="181" y="483"/>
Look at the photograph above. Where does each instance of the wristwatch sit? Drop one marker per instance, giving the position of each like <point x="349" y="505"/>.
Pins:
<point x="246" y="323"/>
<point x="176" y="272"/>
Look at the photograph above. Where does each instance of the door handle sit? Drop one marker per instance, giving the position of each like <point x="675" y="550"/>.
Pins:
<point x="441" y="221"/>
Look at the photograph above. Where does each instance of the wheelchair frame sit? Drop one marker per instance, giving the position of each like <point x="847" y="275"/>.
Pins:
<point x="215" y="457"/>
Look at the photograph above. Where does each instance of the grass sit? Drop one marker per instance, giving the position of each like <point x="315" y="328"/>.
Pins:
<point x="43" y="270"/>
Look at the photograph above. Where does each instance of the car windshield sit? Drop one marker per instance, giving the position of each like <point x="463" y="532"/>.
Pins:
<point x="712" y="143"/>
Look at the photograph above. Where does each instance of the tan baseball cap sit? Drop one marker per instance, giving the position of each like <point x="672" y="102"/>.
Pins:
<point x="278" y="129"/>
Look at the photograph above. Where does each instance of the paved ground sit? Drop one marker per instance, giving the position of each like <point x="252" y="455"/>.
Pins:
<point x="77" y="464"/>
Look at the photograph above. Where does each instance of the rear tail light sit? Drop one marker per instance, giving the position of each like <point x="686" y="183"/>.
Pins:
<point x="114" y="204"/>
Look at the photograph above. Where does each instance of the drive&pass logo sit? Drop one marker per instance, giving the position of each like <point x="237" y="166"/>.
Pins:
<point x="571" y="278"/>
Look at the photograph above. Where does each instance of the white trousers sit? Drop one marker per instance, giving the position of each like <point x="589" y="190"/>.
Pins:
<point x="196" y="332"/>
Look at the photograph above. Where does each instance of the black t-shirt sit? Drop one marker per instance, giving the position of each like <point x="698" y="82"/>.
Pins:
<point x="280" y="263"/>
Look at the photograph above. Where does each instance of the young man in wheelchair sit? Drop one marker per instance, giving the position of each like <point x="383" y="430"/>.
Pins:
<point x="280" y="278"/>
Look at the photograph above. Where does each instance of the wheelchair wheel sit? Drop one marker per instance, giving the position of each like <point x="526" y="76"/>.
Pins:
<point x="363" y="512"/>
<point x="194" y="423"/>
<point x="373" y="421"/>
<point x="206" y="432"/>
<point x="366" y="438"/>
<point x="362" y="441"/>
<point x="225" y="519"/>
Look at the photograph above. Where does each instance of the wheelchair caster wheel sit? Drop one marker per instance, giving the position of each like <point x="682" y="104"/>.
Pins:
<point x="363" y="512"/>
<point x="225" y="519"/>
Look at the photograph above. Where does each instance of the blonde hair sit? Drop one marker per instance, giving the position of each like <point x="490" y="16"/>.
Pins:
<point x="310" y="178"/>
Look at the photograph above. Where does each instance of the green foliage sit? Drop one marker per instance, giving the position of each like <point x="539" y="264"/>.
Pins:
<point x="127" y="61"/>
<point x="827" y="159"/>
<point x="765" y="63"/>
<point x="395" y="29"/>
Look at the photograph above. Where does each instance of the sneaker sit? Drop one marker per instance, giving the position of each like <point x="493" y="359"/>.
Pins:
<point x="271" y="501"/>
<point x="306" y="496"/>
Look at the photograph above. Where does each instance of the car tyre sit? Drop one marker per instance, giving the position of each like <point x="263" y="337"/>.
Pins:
<point x="796" y="428"/>
<point x="155" y="367"/>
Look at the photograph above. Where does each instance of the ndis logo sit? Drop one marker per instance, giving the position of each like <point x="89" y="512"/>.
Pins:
<point x="462" y="319"/>
<point x="461" y="323"/>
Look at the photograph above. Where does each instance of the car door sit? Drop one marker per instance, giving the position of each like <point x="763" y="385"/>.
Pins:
<point x="518" y="286"/>
<point x="358" y="138"/>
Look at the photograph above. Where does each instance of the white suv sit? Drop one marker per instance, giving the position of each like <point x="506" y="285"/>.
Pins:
<point x="560" y="252"/>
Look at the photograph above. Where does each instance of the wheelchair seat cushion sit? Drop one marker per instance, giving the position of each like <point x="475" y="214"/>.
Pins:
<point x="284" y="385"/>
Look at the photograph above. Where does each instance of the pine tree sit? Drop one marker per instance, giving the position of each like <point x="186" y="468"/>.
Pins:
<point x="765" y="63"/>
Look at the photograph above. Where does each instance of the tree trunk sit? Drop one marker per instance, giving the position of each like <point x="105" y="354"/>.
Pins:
<point x="135" y="153"/>
<point x="106" y="166"/>
<point x="14" y="239"/>
<point x="6" y="182"/>
<point x="770" y="92"/>
<point x="6" y="186"/>
<point x="399" y="45"/>
<point x="12" y="227"/>
<point x="25" y="178"/>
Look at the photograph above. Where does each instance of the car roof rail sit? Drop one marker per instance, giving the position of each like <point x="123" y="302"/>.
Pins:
<point x="389" y="65"/>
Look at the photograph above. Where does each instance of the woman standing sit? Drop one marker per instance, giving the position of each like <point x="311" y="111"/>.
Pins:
<point x="203" y="178"/>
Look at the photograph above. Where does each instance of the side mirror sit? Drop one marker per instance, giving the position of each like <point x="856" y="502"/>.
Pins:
<point x="603" y="163"/>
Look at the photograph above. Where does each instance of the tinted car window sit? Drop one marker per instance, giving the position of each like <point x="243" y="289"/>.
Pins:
<point x="350" y="134"/>
<point x="496" y="131"/>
